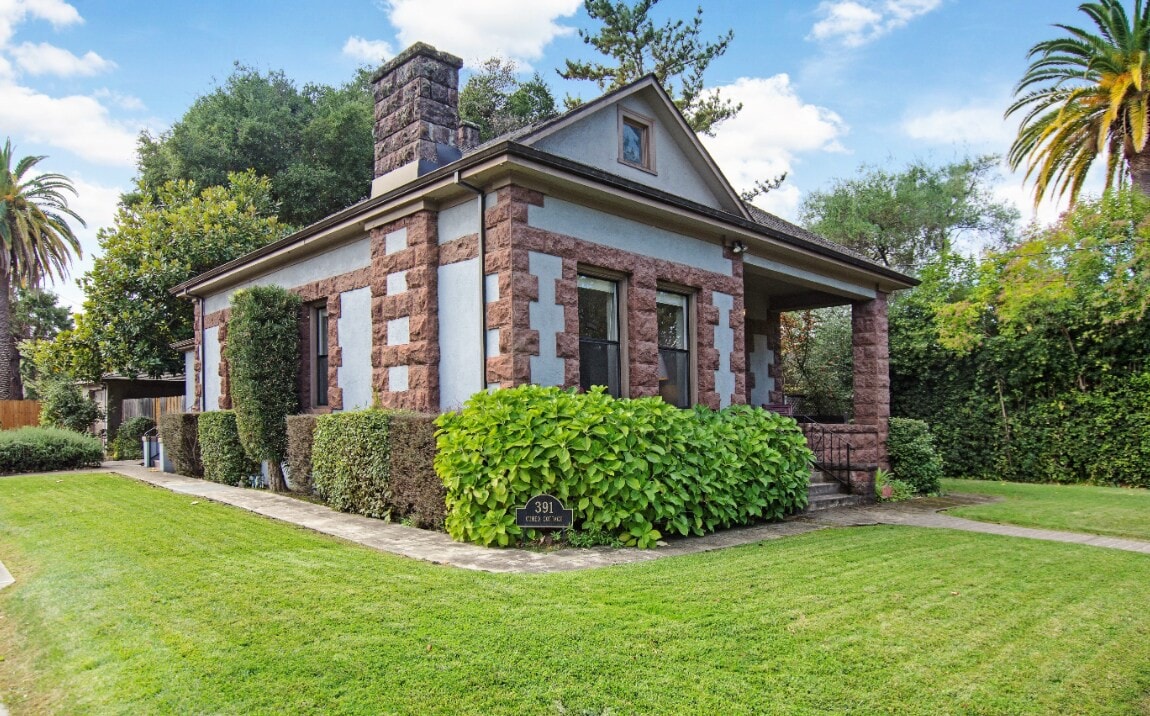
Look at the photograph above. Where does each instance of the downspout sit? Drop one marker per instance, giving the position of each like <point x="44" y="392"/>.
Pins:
<point x="203" y="357"/>
<point x="482" y="278"/>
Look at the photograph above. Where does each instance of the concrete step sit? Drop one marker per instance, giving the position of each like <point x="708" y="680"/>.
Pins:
<point x="827" y="488"/>
<point x="829" y="502"/>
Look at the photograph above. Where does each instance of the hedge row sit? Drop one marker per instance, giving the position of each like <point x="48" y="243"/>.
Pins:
<point x="375" y="463"/>
<point x="913" y="458"/>
<point x="128" y="443"/>
<point x="46" y="449"/>
<point x="222" y="455"/>
<point x="300" y="436"/>
<point x="634" y="468"/>
<point x="180" y="435"/>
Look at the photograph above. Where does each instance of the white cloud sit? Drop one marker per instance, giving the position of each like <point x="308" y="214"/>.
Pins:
<point x="45" y="59"/>
<point x="767" y="136"/>
<point x="78" y="124"/>
<point x="367" y="51"/>
<point x="13" y="12"/>
<point x="978" y="124"/>
<point x="857" y="22"/>
<point x="123" y="101"/>
<point x="475" y="31"/>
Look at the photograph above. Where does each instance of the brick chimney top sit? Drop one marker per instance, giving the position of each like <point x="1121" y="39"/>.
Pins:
<point x="416" y="115"/>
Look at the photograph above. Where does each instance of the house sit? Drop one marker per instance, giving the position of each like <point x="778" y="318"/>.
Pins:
<point x="115" y="392"/>
<point x="603" y="247"/>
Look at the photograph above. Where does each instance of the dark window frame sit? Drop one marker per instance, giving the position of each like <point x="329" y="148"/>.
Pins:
<point x="618" y="344"/>
<point x="319" y="355"/>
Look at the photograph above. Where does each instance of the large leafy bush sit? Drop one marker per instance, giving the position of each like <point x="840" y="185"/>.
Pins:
<point x="43" y="449"/>
<point x="63" y="405"/>
<point x="223" y="456"/>
<point x="635" y="468"/>
<point x="913" y="458"/>
<point x="128" y="444"/>
<point x="263" y="358"/>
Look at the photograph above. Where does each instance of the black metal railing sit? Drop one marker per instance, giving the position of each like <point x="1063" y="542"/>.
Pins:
<point x="832" y="451"/>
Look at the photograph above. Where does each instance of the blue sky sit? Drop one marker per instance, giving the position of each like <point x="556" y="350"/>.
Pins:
<point x="826" y="85"/>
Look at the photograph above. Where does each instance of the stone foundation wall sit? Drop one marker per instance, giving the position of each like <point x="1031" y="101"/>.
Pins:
<point x="869" y="342"/>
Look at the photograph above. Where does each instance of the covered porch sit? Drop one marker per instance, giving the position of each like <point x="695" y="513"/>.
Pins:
<point x="848" y="451"/>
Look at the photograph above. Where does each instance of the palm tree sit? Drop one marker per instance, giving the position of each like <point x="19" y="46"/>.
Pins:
<point x="35" y="243"/>
<point x="1087" y="95"/>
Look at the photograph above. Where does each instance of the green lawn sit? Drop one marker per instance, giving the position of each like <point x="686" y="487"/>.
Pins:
<point x="1112" y="511"/>
<point x="134" y="600"/>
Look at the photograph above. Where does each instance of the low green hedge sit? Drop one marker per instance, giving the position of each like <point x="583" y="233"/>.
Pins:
<point x="300" y="439"/>
<point x="417" y="493"/>
<point x="913" y="459"/>
<point x="180" y="435"/>
<point x="637" y="468"/>
<point x="350" y="465"/>
<point x="46" y="449"/>
<point x="128" y="444"/>
<point x="223" y="457"/>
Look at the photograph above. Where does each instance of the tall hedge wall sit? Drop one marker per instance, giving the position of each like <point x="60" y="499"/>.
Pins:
<point x="180" y="434"/>
<point x="223" y="456"/>
<point x="636" y="468"/>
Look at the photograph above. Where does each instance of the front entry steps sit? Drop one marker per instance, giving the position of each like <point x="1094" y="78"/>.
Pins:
<point x="826" y="493"/>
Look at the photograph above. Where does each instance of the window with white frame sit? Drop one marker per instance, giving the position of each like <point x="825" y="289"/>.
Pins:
<point x="636" y="140"/>
<point x="674" y="348"/>
<point x="599" y="334"/>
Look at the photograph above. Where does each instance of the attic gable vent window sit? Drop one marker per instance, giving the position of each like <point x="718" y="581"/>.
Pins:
<point x="636" y="140"/>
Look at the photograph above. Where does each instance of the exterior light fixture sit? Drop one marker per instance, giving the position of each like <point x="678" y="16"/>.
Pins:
<point x="738" y="247"/>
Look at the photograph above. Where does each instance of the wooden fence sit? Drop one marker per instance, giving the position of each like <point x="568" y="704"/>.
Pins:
<point x="19" y="413"/>
<point x="151" y="407"/>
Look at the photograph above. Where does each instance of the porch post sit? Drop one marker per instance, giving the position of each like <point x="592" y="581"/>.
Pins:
<point x="872" y="369"/>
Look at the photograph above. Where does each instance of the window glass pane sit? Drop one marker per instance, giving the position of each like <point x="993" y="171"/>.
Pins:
<point x="321" y="355"/>
<point x="321" y="331"/>
<point x="599" y="365"/>
<point x="598" y="310"/>
<point x="672" y="313"/>
<point x="634" y="137"/>
<point x="674" y="377"/>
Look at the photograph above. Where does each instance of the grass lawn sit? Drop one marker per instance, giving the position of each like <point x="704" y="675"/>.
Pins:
<point x="1112" y="511"/>
<point x="134" y="600"/>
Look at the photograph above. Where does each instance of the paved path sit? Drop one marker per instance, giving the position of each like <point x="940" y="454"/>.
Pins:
<point x="437" y="547"/>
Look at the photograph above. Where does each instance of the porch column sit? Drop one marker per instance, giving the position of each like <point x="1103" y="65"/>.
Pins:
<point x="872" y="369"/>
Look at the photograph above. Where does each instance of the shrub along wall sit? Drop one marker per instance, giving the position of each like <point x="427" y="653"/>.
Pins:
<point x="300" y="437"/>
<point x="180" y="435"/>
<point x="636" y="468"/>
<point x="44" y="449"/>
<point x="222" y="454"/>
<point x="128" y="443"/>
<point x="913" y="458"/>
<point x="416" y="491"/>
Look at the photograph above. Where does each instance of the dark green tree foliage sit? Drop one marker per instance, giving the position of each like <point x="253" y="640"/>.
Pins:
<point x="314" y="144"/>
<point x="130" y="318"/>
<point x="904" y="219"/>
<point x="913" y="458"/>
<point x="494" y="99"/>
<point x="223" y="457"/>
<point x="263" y="362"/>
<point x="1033" y="364"/>
<point x="35" y="315"/>
<point x="63" y="405"/>
<point x="634" y="46"/>
<point x="818" y="363"/>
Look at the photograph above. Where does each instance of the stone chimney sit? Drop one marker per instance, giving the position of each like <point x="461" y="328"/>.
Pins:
<point x="416" y="115"/>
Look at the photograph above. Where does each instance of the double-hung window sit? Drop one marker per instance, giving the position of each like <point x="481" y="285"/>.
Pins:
<point x="599" y="334"/>
<point x="674" y="348"/>
<point x="319" y="340"/>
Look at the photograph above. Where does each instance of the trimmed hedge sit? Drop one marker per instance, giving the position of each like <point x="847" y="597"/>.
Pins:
<point x="45" y="449"/>
<point x="350" y="465"/>
<point x="913" y="458"/>
<point x="633" y="468"/>
<point x="128" y="443"/>
<point x="417" y="493"/>
<point x="300" y="438"/>
<point x="180" y="435"/>
<point x="223" y="457"/>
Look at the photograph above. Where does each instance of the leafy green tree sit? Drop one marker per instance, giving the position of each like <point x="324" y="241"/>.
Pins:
<point x="63" y="405"/>
<point x="156" y="244"/>
<point x="906" y="218"/>
<point x="1083" y="95"/>
<point x="817" y="360"/>
<point x="263" y="364"/>
<point x="36" y="242"/>
<point x="673" y="52"/>
<point x="314" y="145"/>
<point x="36" y="315"/>
<point x="497" y="102"/>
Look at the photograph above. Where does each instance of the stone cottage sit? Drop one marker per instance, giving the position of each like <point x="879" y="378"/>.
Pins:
<point x="603" y="247"/>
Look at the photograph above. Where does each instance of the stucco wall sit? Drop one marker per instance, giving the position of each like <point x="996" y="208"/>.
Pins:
<point x="189" y="380"/>
<point x="725" y="344"/>
<point x="564" y="217"/>
<point x="354" y="373"/>
<point x="547" y="368"/>
<point x="212" y="368"/>
<point x="759" y="362"/>
<point x="458" y="333"/>
<point x="340" y="260"/>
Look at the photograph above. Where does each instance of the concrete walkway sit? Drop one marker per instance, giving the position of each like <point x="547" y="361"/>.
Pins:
<point x="438" y="548"/>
